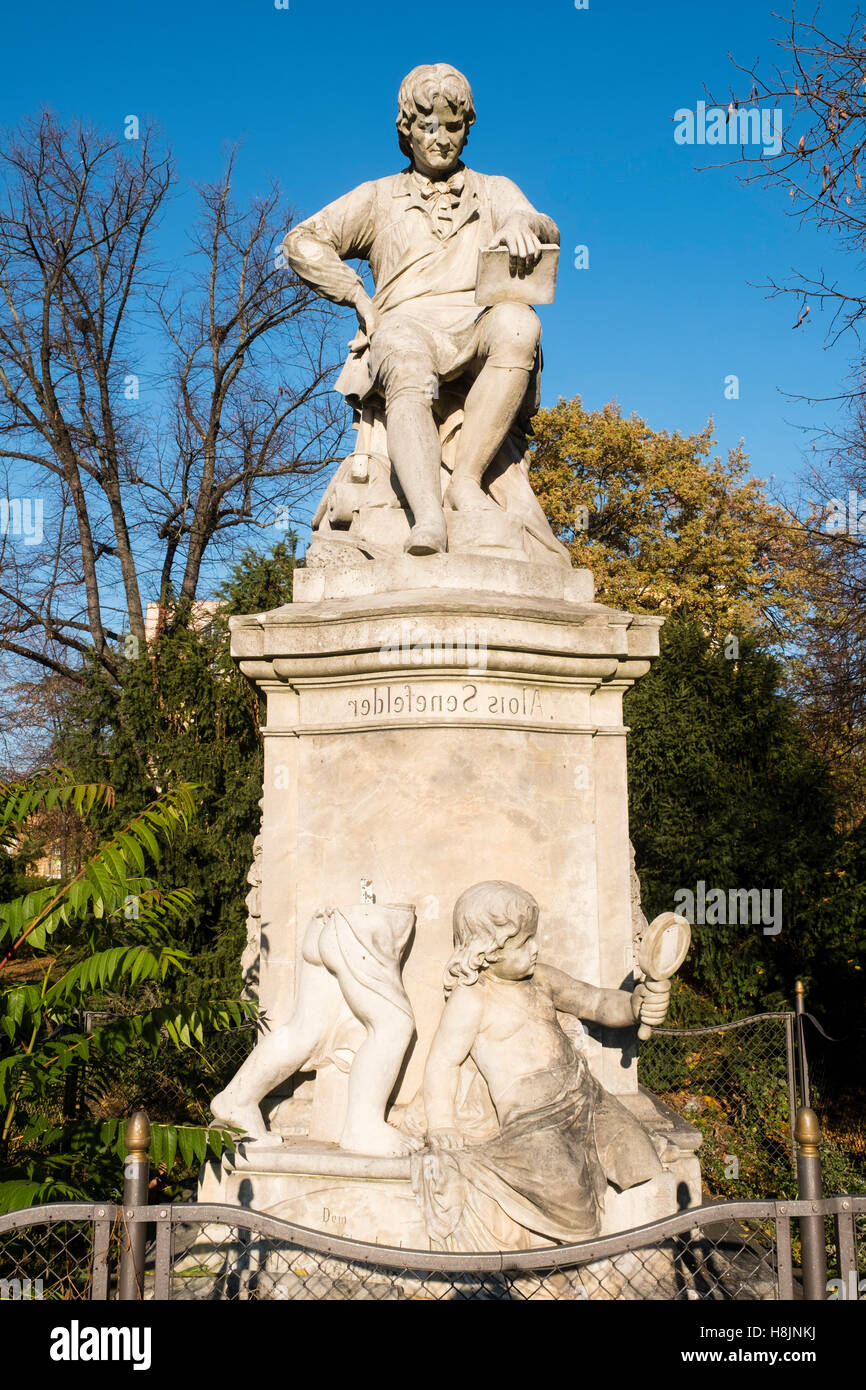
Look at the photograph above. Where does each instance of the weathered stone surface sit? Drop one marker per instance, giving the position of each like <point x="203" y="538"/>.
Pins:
<point x="433" y="737"/>
<point x="351" y="1016"/>
<point x="454" y="571"/>
<point x="465" y="726"/>
<point x="359" y="1197"/>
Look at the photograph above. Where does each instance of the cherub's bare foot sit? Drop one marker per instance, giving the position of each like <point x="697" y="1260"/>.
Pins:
<point x="465" y="495"/>
<point x="226" y="1110"/>
<point x="383" y="1140"/>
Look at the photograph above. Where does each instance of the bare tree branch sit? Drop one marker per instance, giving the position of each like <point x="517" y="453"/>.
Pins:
<point x="140" y="499"/>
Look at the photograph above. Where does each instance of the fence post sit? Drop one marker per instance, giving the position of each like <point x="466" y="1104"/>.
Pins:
<point x="136" y="1178"/>
<point x="791" y="1076"/>
<point x="810" y="1189"/>
<point x="800" y="1010"/>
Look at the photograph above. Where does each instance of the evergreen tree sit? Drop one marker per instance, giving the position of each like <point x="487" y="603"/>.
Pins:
<point x="182" y="712"/>
<point x="257" y="582"/>
<point x="724" y="789"/>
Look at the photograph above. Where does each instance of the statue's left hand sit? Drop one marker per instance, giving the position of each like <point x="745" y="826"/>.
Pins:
<point x="524" y="248"/>
<point x="649" y="1002"/>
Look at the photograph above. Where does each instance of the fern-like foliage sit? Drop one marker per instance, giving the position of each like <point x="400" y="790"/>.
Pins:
<point x="111" y="880"/>
<point x="105" y="932"/>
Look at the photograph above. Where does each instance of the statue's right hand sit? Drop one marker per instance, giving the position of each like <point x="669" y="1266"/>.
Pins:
<point x="445" y="1139"/>
<point x="368" y="318"/>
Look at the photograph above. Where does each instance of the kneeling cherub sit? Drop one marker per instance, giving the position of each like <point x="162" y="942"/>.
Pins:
<point x="562" y="1136"/>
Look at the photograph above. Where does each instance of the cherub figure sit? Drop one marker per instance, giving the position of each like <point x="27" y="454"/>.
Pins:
<point x="350" y="958"/>
<point x="562" y="1136"/>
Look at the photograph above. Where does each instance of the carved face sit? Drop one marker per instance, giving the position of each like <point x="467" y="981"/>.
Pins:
<point x="516" y="959"/>
<point x="437" y="138"/>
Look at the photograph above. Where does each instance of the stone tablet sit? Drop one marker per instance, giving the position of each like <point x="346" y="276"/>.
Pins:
<point x="495" y="283"/>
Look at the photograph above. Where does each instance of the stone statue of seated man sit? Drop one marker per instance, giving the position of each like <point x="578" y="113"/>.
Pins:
<point x="421" y="232"/>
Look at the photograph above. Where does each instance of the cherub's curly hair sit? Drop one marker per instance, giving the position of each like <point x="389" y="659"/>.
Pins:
<point x="485" y="917"/>
<point x="420" y="88"/>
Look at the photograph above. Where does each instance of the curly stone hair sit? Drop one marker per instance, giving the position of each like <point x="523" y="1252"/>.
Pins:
<point x="420" y="88"/>
<point x="485" y="917"/>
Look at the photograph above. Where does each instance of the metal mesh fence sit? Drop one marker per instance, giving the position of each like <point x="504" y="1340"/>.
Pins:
<point x="735" y="1084"/>
<point x="836" y="1086"/>
<point x="725" y="1252"/>
<point x="50" y="1261"/>
<point x="174" y="1086"/>
<point x="729" y="1261"/>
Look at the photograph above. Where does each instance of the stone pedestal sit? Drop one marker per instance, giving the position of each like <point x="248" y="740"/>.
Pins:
<point x="436" y="721"/>
<point x="432" y="722"/>
<point x="317" y="1185"/>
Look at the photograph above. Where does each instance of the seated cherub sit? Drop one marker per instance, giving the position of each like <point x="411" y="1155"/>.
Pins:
<point x="562" y="1137"/>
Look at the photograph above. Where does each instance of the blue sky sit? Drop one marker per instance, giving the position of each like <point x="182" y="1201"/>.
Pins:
<point x="575" y="105"/>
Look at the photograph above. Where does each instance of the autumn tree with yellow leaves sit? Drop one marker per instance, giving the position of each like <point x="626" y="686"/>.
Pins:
<point x="665" y="525"/>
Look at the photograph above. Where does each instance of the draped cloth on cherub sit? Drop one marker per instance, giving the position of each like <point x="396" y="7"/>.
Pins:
<point x="364" y="944"/>
<point x="542" y="1172"/>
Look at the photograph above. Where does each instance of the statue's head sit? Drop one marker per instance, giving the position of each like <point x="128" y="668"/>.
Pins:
<point x="435" y="113"/>
<point x="494" y="926"/>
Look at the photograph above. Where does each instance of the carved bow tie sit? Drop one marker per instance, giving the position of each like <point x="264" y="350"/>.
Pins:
<point x="447" y="194"/>
<point x="452" y="186"/>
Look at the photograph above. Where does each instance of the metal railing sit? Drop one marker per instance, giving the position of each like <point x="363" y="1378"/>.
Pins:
<point x="752" y="1069"/>
<point x="140" y="1251"/>
<point x="726" y="1251"/>
<point x="741" y="1083"/>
